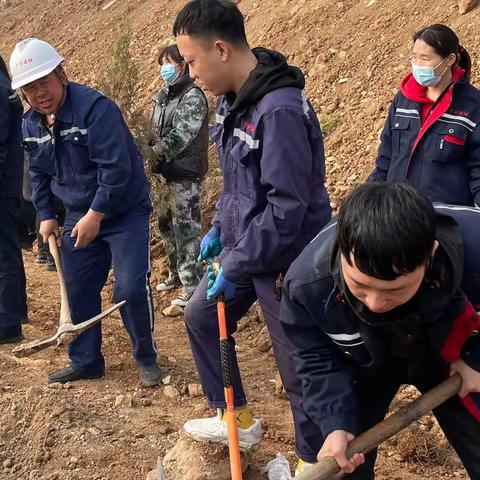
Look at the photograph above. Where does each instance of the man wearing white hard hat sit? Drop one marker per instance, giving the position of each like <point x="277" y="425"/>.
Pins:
<point x="81" y="151"/>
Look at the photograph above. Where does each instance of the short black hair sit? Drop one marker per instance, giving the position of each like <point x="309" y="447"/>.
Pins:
<point x="212" y="19"/>
<point x="388" y="227"/>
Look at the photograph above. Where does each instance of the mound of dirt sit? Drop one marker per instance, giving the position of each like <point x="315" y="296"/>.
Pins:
<point x="190" y="460"/>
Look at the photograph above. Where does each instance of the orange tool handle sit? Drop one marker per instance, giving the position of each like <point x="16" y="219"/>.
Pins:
<point x="232" y="429"/>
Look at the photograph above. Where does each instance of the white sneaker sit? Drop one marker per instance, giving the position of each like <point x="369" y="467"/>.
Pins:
<point x="214" y="430"/>
<point x="182" y="299"/>
<point x="168" y="284"/>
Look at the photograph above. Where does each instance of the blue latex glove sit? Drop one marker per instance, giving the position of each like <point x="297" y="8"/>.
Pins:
<point x="219" y="286"/>
<point x="210" y="246"/>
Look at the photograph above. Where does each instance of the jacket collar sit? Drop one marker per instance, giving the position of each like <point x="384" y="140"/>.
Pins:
<point x="415" y="92"/>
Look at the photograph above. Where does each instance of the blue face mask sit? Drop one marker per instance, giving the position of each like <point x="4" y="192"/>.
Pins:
<point x="425" y="76"/>
<point x="169" y="72"/>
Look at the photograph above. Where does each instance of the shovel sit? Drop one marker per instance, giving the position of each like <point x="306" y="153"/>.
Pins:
<point x="328" y="468"/>
<point x="67" y="331"/>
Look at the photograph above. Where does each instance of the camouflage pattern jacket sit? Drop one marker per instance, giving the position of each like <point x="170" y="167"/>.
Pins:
<point x="179" y="125"/>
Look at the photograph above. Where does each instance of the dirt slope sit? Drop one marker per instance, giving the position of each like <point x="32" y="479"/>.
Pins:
<point x="354" y="56"/>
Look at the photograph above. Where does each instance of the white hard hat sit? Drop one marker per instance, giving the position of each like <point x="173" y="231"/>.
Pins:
<point x="32" y="59"/>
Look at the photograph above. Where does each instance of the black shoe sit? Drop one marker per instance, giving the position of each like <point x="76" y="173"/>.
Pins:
<point x="150" y="375"/>
<point x="50" y="267"/>
<point x="10" y="339"/>
<point x="68" y="374"/>
<point x="11" y="335"/>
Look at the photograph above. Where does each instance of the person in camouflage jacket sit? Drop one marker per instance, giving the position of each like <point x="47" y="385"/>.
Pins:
<point x="179" y="141"/>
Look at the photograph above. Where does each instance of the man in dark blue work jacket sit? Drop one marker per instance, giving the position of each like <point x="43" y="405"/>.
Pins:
<point x="81" y="151"/>
<point x="386" y="295"/>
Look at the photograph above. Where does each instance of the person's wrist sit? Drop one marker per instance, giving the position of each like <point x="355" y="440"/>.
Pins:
<point x="95" y="215"/>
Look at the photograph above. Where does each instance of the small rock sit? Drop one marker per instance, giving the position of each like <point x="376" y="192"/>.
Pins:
<point x="464" y="6"/>
<point x="146" y="402"/>
<point x="123" y="400"/>
<point x="172" y="359"/>
<point x="55" y="386"/>
<point x="94" y="431"/>
<point x="8" y="463"/>
<point x="166" y="380"/>
<point x="163" y="429"/>
<point x="49" y="441"/>
<point x="74" y="460"/>
<point x="195" y="390"/>
<point x="152" y="475"/>
<point x="279" y="388"/>
<point x="398" y="458"/>
<point x="171" y="392"/>
<point x="262" y="342"/>
<point x="173" y="311"/>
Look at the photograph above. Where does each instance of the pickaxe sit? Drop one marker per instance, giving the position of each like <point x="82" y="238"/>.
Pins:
<point x="67" y="331"/>
<point x="328" y="468"/>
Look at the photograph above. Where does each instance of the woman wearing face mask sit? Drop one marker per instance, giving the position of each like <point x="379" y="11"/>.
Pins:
<point x="180" y="143"/>
<point x="432" y="135"/>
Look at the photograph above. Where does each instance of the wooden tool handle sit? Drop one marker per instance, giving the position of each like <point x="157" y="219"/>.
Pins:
<point x="65" y="316"/>
<point x="366" y="442"/>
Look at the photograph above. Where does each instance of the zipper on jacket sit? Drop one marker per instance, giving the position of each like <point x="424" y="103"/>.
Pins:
<point x="441" y="144"/>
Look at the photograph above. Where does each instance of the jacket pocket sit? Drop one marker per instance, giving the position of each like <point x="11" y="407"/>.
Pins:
<point x="450" y="140"/>
<point x="246" y="171"/>
<point x="76" y="145"/>
<point x="455" y="140"/>
<point x="399" y="134"/>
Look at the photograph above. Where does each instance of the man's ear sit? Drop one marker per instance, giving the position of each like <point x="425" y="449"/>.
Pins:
<point x="62" y="76"/>
<point x="224" y="50"/>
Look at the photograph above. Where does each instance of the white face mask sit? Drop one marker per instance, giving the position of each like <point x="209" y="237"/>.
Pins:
<point x="425" y="76"/>
<point x="169" y="72"/>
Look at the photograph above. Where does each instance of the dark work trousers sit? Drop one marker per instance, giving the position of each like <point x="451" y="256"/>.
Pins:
<point x="13" y="299"/>
<point x="375" y="394"/>
<point x="202" y="327"/>
<point x="125" y="242"/>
